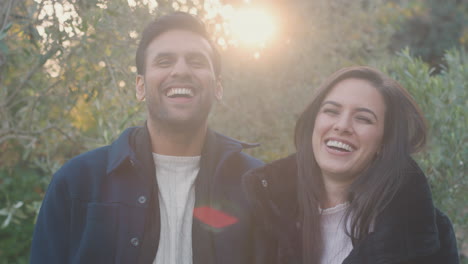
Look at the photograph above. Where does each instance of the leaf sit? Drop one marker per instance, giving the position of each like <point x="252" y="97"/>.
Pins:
<point x="3" y="33"/>
<point x="3" y="47"/>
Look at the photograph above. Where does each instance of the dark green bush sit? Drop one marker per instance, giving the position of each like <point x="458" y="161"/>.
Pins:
<point x="430" y="28"/>
<point x="21" y="192"/>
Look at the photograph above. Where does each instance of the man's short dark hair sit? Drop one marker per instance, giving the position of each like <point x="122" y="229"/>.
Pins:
<point x="175" y="20"/>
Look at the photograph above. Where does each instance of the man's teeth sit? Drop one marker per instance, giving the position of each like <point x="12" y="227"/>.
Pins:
<point x="180" y="91"/>
<point x="338" y="144"/>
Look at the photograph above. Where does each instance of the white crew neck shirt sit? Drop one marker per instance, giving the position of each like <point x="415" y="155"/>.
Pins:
<point x="176" y="181"/>
<point x="336" y="244"/>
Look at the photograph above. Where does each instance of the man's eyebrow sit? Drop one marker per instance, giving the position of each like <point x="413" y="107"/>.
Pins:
<point x="360" y="109"/>
<point x="164" y="54"/>
<point x="197" y="54"/>
<point x="192" y="54"/>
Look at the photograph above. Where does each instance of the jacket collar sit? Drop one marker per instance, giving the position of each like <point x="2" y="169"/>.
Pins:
<point x="214" y="139"/>
<point x="137" y="139"/>
<point x="120" y="151"/>
<point x="405" y="229"/>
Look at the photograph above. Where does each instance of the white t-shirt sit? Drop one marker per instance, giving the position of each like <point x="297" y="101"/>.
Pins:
<point x="336" y="244"/>
<point x="176" y="181"/>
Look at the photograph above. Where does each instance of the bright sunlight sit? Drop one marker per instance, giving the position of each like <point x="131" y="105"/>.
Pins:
<point x="251" y="26"/>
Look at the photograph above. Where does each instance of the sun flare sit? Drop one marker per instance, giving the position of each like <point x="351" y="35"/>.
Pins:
<point x="252" y="26"/>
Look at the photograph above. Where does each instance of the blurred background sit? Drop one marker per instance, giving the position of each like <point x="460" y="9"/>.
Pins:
<point x="67" y="76"/>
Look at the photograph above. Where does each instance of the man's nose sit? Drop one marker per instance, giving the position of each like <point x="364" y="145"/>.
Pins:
<point x="181" y="69"/>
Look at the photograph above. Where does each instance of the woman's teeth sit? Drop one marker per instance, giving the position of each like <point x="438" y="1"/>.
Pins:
<point x="339" y="145"/>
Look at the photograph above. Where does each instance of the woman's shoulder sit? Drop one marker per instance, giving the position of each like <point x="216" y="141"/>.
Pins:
<point x="271" y="189"/>
<point x="448" y="251"/>
<point x="275" y="178"/>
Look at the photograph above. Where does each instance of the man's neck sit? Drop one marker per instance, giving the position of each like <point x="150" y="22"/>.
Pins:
<point x="171" y="142"/>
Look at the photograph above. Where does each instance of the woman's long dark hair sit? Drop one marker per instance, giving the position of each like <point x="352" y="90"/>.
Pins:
<point x="371" y="192"/>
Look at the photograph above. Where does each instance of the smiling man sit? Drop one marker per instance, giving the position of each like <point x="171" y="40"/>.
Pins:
<point x="168" y="192"/>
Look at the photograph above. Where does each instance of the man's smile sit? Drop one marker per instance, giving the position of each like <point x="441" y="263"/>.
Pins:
<point x="180" y="92"/>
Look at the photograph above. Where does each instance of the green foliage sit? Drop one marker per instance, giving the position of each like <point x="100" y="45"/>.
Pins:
<point x="21" y="191"/>
<point x="430" y="27"/>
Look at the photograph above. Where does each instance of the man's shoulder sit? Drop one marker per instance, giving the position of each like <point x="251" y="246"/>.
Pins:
<point x="239" y="163"/>
<point x="226" y="140"/>
<point x="90" y="158"/>
<point x="83" y="164"/>
<point x="242" y="160"/>
<point x="94" y="162"/>
<point x="251" y="162"/>
<point x="273" y="184"/>
<point x="277" y="173"/>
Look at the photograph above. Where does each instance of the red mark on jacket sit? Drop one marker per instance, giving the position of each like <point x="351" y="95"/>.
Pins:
<point x="213" y="217"/>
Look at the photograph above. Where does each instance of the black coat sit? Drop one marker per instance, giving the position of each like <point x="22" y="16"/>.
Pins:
<point x="409" y="230"/>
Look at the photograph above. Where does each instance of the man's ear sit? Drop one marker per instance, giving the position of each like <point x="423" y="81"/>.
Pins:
<point x="219" y="90"/>
<point x="140" y="90"/>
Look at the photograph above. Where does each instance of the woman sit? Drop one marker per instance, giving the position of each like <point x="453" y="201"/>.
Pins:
<point x="352" y="193"/>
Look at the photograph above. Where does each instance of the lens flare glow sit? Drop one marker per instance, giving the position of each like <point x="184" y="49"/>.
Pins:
<point x="252" y="26"/>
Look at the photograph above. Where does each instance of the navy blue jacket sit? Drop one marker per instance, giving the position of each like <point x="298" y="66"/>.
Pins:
<point x="409" y="230"/>
<point x="102" y="206"/>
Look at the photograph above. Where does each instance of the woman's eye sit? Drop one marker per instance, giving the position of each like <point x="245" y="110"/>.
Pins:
<point x="364" y="119"/>
<point x="330" y="111"/>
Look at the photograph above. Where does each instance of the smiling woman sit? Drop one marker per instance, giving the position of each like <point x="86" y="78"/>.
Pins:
<point x="352" y="193"/>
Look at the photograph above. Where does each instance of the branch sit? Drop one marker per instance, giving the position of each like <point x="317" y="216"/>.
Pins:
<point x="7" y="14"/>
<point x="111" y="72"/>
<point x="13" y="136"/>
<point x="17" y="134"/>
<point x="29" y="75"/>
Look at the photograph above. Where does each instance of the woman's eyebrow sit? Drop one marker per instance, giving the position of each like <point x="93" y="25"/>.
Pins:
<point x="332" y="103"/>
<point x="363" y="109"/>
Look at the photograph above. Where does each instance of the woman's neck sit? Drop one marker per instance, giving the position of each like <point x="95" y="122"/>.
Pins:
<point x="336" y="192"/>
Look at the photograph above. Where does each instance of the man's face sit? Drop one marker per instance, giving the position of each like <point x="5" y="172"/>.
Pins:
<point x="179" y="83"/>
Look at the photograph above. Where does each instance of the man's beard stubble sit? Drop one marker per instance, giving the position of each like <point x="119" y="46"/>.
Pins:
<point x="164" y="121"/>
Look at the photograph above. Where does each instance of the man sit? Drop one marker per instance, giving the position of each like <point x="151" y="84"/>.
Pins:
<point x="168" y="192"/>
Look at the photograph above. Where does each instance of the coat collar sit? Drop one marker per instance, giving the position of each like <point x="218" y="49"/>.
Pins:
<point x="120" y="151"/>
<point x="405" y="229"/>
<point x="136" y="139"/>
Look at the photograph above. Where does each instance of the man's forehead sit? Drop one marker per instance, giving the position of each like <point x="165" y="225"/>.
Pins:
<point x="179" y="42"/>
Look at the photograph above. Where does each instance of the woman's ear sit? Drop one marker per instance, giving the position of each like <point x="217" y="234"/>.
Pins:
<point x="140" y="90"/>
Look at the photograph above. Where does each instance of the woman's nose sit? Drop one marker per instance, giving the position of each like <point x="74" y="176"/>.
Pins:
<point x="343" y="124"/>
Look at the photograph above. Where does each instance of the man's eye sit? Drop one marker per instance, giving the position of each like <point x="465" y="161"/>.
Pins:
<point x="164" y="63"/>
<point x="197" y="63"/>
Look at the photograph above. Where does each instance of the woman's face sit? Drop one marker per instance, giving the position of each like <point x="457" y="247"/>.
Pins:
<point x="348" y="130"/>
